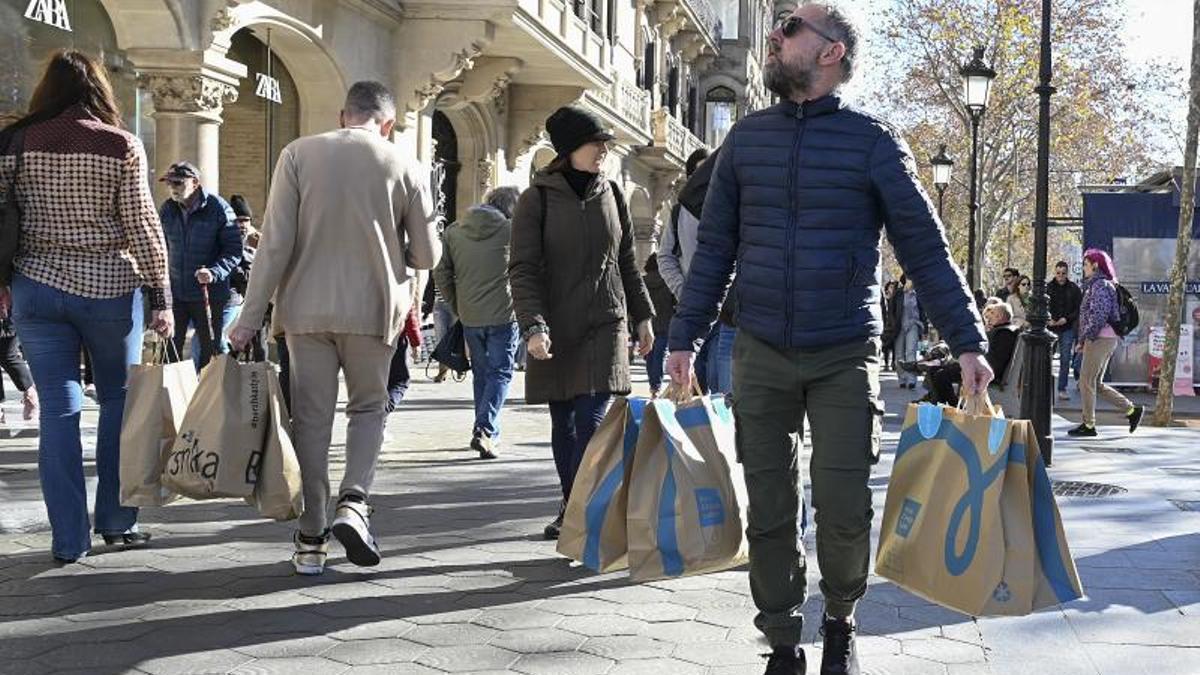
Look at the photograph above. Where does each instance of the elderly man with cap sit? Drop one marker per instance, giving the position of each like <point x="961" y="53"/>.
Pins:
<point x="575" y="281"/>
<point x="204" y="247"/>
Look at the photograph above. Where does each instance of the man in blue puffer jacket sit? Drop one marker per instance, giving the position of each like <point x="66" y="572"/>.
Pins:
<point x="204" y="246"/>
<point x="798" y="199"/>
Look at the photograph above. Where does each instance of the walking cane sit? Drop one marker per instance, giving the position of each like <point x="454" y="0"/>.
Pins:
<point x="208" y="317"/>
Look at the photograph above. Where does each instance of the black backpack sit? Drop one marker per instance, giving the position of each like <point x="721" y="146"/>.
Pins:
<point x="1127" y="312"/>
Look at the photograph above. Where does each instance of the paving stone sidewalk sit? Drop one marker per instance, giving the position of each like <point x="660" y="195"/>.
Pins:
<point x="466" y="584"/>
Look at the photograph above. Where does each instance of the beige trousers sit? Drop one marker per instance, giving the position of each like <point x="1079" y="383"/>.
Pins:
<point x="1096" y="355"/>
<point x="316" y="359"/>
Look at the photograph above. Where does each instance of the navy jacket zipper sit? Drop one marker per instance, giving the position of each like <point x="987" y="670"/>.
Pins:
<point x="790" y="306"/>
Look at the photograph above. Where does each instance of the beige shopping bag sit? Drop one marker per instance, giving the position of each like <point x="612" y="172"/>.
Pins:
<point x="593" y="529"/>
<point x="970" y="520"/>
<point x="155" y="401"/>
<point x="687" y="494"/>
<point x="278" y="493"/>
<point x="219" y="449"/>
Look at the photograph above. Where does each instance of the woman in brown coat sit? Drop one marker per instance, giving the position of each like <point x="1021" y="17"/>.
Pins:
<point x="576" y="290"/>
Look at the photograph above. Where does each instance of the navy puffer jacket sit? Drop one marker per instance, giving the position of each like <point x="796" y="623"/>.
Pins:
<point x="799" y="196"/>
<point x="205" y="235"/>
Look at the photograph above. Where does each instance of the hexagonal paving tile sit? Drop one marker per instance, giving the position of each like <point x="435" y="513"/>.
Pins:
<point x="447" y="635"/>
<point x="577" y="606"/>
<point x="377" y="630"/>
<point x="367" y="652"/>
<point x="708" y="599"/>
<point x="308" y="665"/>
<point x="513" y="618"/>
<point x="288" y="646"/>
<point x="719" y="654"/>
<point x="658" y="611"/>
<point x="562" y="663"/>
<point x="538" y="640"/>
<point x="727" y="617"/>
<point x="206" y="661"/>
<point x="467" y="659"/>
<point x="602" y="625"/>
<point x="659" y="667"/>
<point x="685" y="631"/>
<point x="627" y="647"/>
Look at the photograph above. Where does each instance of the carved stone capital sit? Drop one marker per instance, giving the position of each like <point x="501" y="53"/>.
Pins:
<point x="223" y="20"/>
<point x="187" y="93"/>
<point x="485" y="168"/>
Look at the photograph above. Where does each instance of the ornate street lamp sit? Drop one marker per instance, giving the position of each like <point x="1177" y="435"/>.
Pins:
<point x="977" y="79"/>
<point x="1037" y="386"/>
<point x="942" y="167"/>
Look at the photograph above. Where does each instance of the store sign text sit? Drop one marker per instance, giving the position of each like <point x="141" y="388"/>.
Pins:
<point x="1164" y="287"/>
<point x="268" y="88"/>
<point x="49" y="12"/>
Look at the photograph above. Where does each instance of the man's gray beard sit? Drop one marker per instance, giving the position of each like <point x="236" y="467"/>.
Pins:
<point x="786" y="79"/>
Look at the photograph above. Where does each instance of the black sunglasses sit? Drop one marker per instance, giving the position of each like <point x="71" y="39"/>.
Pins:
<point x="791" y="25"/>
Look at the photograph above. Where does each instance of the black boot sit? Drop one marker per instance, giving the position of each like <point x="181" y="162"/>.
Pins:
<point x="839" y="656"/>
<point x="786" y="660"/>
<point x="552" y="530"/>
<point x="1135" y="417"/>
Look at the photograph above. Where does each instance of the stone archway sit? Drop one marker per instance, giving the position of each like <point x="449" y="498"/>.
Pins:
<point x="645" y="225"/>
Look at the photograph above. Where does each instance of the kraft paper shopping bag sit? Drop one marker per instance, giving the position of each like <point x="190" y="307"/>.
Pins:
<point x="687" y="494"/>
<point x="959" y="525"/>
<point x="155" y="402"/>
<point x="219" y="450"/>
<point x="279" y="492"/>
<point x="593" y="530"/>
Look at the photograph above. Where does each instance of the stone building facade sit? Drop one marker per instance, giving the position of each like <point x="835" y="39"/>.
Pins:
<point x="227" y="83"/>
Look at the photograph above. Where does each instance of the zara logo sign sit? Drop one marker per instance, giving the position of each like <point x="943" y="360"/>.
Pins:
<point x="49" y="12"/>
<point x="268" y="88"/>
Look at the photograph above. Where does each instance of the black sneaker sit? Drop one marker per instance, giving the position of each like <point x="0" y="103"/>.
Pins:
<point x="1082" y="430"/>
<point x="786" y="660"/>
<point x="1135" y="417"/>
<point x="839" y="657"/>
<point x="484" y="445"/>
<point x="552" y="530"/>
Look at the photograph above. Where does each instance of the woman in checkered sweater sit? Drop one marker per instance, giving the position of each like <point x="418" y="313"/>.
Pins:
<point x="90" y="239"/>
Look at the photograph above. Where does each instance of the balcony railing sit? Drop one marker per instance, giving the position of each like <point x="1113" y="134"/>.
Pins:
<point x="627" y="101"/>
<point x="671" y="134"/>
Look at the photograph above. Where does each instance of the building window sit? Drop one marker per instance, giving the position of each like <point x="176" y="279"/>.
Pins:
<point x="612" y="21"/>
<point x="648" y="60"/>
<point x="728" y="12"/>
<point x="693" y="108"/>
<point x="720" y="108"/>
<point x="673" y="89"/>
<point x="589" y="11"/>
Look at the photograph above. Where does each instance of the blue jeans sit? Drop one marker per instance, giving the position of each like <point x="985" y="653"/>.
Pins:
<point x="706" y="357"/>
<point x="1068" y="360"/>
<point x="654" y="362"/>
<point x="228" y="316"/>
<point x="493" y="351"/>
<point x="53" y="326"/>
<point x="907" y="351"/>
<point x="572" y="425"/>
<point x="720" y="360"/>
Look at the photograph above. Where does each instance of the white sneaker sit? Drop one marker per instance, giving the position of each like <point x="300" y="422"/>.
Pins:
<point x="352" y="527"/>
<point x="309" y="558"/>
<point x="1064" y="396"/>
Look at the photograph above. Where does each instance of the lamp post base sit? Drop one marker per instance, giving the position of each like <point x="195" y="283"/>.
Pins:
<point x="1037" y="394"/>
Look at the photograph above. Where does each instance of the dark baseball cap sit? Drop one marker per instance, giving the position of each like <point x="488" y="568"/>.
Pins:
<point x="181" y="171"/>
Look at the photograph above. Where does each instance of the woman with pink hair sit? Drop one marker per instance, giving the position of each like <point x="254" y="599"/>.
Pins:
<point x="1097" y="341"/>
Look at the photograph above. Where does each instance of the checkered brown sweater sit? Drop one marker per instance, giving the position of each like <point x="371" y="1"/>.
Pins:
<point x="89" y="224"/>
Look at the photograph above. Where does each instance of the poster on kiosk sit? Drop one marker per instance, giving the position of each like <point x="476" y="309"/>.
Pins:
<point x="1138" y="225"/>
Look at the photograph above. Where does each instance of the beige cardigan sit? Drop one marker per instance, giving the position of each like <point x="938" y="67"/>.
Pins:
<point x="348" y="219"/>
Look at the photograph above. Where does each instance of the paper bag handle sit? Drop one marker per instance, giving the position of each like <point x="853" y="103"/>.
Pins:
<point x="979" y="404"/>
<point x="677" y="394"/>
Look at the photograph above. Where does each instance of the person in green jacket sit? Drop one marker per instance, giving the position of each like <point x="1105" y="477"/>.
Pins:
<point x="473" y="278"/>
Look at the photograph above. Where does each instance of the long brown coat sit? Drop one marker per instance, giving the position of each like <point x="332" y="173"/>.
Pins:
<point x="577" y="275"/>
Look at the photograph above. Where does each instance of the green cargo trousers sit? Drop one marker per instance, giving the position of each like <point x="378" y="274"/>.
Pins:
<point x="773" y="390"/>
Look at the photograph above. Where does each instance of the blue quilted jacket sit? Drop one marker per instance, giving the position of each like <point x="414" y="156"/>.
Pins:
<point x="202" y="236"/>
<point x="798" y="199"/>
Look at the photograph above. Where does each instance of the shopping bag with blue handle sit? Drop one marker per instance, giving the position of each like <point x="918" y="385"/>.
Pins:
<point x="593" y="530"/>
<point x="970" y="520"/>
<point x="687" y="494"/>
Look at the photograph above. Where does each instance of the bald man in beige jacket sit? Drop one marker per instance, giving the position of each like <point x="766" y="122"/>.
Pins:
<point x="348" y="220"/>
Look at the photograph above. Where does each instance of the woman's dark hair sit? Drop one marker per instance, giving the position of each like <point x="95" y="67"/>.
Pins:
<point x="903" y="280"/>
<point x="651" y="263"/>
<point x="559" y="164"/>
<point x="70" y="78"/>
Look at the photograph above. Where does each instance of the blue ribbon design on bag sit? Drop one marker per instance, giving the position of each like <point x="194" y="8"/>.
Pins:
<point x="932" y="426"/>
<point x="667" y="536"/>
<point x="598" y="506"/>
<point x="1045" y="535"/>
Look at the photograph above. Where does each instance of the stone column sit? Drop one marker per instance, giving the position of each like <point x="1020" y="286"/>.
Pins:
<point x="187" y="114"/>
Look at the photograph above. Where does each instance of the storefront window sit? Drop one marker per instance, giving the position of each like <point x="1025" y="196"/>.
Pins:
<point x="27" y="41"/>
